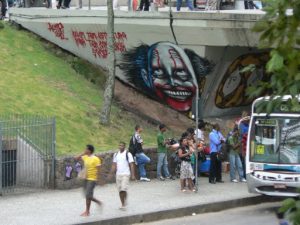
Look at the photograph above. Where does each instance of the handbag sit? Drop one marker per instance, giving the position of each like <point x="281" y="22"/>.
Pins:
<point x="82" y="174"/>
<point x="201" y="156"/>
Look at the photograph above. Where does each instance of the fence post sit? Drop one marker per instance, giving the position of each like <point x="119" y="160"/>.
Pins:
<point x="1" y="163"/>
<point x="53" y="155"/>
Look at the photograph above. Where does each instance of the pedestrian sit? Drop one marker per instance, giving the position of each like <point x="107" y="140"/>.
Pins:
<point x="144" y="5"/>
<point x="91" y="169"/>
<point x="243" y="130"/>
<point x="141" y="158"/>
<point x="3" y="9"/>
<point x="250" y="5"/>
<point x="162" y="154"/>
<point x="188" y="2"/>
<point x="216" y="140"/>
<point x="123" y="167"/>
<point x="192" y="146"/>
<point x="234" y="158"/>
<point x="186" y="170"/>
<point x="199" y="133"/>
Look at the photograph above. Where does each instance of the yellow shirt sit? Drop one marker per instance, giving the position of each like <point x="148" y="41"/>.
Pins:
<point x="91" y="163"/>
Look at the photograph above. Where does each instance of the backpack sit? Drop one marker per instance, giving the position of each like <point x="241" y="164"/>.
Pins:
<point x="115" y="155"/>
<point x="133" y="146"/>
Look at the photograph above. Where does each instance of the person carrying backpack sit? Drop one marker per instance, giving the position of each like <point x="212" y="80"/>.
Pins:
<point x="234" y="158"/>
<point x="136" y="149"/>
<point x="123" y="167"/>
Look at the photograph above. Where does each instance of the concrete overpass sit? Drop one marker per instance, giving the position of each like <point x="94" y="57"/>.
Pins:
<point x="174" y="44"/>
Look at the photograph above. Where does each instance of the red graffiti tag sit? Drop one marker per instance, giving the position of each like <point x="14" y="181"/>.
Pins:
<point x="98" y="42"/>
<point x="58" y="30"/>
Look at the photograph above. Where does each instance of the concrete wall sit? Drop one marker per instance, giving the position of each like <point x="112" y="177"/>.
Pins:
<point x="145" y="46"/>
<point x="30" y="166"/>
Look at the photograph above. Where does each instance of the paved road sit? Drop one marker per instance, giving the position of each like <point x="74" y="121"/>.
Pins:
<point x="262" y="214"/>
<point x="64" y="207"/>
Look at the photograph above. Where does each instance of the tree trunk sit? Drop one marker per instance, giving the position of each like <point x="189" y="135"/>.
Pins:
<point x="110" y="80"/>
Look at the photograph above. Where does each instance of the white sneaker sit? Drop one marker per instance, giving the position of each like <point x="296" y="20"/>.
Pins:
<point x="234" y="181"/>
<point x="123" y="208"/>
<point x="145" y="179"/>
<point x="244" y="180"/>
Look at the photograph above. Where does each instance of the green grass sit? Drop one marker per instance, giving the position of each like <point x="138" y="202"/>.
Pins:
<point x="34" y="80"/>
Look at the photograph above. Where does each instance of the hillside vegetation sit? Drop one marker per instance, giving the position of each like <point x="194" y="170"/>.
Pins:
<point x="35" y="80"/>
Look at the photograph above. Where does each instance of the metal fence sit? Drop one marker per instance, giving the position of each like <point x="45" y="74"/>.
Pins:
<point x="27" y="153"/>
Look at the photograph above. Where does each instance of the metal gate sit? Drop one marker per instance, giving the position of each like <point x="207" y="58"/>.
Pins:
<point x="27" y="153"/>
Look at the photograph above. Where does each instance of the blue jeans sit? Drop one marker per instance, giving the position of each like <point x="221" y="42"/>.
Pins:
<point x="162" y="162"/>
<point x="188" y="2"/>
<point x="142" y="159"/>
<point x="235" y="164"/>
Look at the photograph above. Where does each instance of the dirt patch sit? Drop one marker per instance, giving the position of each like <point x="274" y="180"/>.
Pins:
<point x="149" y="109"/>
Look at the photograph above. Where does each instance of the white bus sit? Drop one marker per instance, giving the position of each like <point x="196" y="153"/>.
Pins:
<point x="273" y="150"/>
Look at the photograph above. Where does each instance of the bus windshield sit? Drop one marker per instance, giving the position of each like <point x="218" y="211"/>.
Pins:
<point x="275" y="140"/>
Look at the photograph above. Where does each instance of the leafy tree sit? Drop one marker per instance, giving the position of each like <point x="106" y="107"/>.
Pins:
<point x="280" y="31"/>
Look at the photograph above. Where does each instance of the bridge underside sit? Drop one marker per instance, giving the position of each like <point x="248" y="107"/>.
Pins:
<point x="161" y="54"/>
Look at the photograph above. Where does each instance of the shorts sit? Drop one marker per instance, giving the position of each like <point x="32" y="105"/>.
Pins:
<point x="122" y="182"/>
<point x="89" y="186"/>
<point x="186" y="170"/>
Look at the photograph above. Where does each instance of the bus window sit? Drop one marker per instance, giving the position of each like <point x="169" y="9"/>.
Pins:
<point x="275" y="141"/>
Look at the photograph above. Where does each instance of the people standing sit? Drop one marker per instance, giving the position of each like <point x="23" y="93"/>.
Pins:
<point x="162" y="154"/>
<point x="144" y="5"/>
<point x="91" y="167"/>
<point x="215" y="139"/>
<point x="188" y="2"/>
<point x="123" y="167"/>
<point x="234" y="158"/>
<point x="186" y="170"/>
<point x="3" y="9"/>
<point x="141" y="158"/>
<point x="243" y="130"/>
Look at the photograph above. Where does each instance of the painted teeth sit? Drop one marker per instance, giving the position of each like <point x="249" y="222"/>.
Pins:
<point x="178" y="93"/>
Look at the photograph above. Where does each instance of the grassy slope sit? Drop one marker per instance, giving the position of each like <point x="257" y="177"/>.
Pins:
<point x="35" y="81"/>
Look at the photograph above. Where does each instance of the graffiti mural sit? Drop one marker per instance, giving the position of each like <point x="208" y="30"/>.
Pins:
<point x="166" y="72"/>
<point x="97" y="41"/>
<point x="58" y="30"/>
<point x="231" y="91"/>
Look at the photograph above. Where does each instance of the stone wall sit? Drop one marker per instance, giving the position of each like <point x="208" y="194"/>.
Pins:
<point x="62" y="182"/>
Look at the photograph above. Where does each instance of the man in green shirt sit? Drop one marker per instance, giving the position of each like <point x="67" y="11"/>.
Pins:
<point x="234" y="157"/>
<point x="162" y="153"/>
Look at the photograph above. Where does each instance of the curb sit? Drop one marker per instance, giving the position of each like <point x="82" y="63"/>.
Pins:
<point x="181" y="212"/>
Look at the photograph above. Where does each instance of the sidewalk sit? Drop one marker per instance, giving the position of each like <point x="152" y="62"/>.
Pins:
<point x="146" y="202"/>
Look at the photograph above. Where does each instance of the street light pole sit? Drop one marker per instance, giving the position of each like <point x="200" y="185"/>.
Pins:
<point x="197" y="138"/>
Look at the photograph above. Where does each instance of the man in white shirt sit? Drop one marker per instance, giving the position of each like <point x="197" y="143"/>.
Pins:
<point x="123" y="167"/>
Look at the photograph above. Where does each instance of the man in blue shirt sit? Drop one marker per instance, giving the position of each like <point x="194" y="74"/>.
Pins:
<point x="215" y="140"/>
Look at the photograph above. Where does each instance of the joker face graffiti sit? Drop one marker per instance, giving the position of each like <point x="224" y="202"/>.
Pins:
<point x="165" y="71"/>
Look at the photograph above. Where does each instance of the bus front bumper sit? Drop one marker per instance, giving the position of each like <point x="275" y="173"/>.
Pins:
<point x="273" y="187"/>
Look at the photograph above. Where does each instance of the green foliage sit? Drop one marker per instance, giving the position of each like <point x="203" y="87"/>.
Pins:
<point x="37" y="81"/>
<point x="280" y="30"/>
<point x="1" y="25"/>
<point x="291" y="208"/>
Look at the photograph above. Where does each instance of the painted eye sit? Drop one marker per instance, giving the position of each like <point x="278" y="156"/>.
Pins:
<point x="158" y="73"/>
<point x="182" y="75"/>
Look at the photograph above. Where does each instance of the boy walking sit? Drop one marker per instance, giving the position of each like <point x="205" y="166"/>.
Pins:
<point x="162" y="153"/>
<point x="123" y="167"/>
<point x="91" y="165"/>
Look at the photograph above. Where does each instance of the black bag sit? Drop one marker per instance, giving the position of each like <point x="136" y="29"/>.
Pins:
<point x="222" y="155"/>
<point x="132" y="146"/>
<point x="201" y="156"/>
